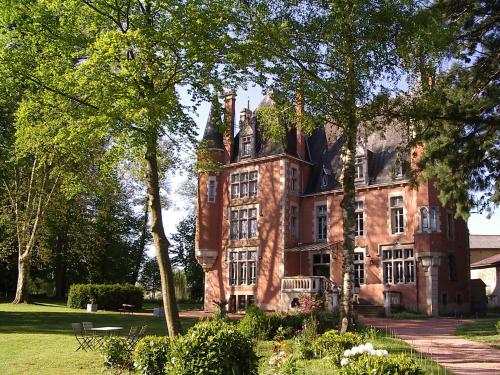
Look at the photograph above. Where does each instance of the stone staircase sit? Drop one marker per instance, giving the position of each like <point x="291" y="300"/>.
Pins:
<point x="369" y="310"/>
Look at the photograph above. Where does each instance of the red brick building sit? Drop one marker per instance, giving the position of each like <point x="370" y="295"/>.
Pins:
<point x="269" y="224"/>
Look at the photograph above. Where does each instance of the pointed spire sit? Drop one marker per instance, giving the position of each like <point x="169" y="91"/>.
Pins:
<point x="212" y="135"/>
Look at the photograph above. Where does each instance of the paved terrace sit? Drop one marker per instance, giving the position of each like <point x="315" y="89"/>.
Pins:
<point x="436" y="337"/>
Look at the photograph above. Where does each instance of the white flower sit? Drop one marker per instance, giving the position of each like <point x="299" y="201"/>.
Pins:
<point x="354" y="350"/>
<point x="344" y="361"/>
<point x="368" y="346"/>
<point x="384" y="352"/>
<point x="347" y="353"/>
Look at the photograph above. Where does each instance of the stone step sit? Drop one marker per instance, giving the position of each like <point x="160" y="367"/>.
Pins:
<point x="371" y="311"/>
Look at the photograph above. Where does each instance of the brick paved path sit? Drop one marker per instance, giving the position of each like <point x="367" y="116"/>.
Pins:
<point x="436" y="336"/>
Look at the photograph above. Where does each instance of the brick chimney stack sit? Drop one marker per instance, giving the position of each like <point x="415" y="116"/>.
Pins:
<point x="299" y="110"/>
<point x="229" y="118"/>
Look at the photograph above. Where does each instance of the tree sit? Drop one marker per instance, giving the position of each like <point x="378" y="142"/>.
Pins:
<point x="183" y="255"/>
<point x="342" y="59"/>
<point x="118" y="67"/>
<point x="150" y="276"/>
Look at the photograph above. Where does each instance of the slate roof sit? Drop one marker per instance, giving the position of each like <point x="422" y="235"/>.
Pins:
<point x="212" y="135"/>
<point x="493" y="261"/>
<point x="477" y="241"/>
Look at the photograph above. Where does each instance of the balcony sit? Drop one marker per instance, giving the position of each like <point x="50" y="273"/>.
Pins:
<point x="306" y="284"/>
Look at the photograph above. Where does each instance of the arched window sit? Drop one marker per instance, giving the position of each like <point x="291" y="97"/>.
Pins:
<point x="433" y="219"/>
<point x="424" y="219"/>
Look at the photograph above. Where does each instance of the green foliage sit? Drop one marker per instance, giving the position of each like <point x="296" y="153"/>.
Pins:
<point x="327" y="320"/>
<point x="254" y="324"/>
<point x="497" y="325"/>
<point x="400" y="364"/>
<point x="115" y="353"/>
<point x="291" y="322"/>
<point x="212" y="347"/>
<point x="333" y="344"/>
<point x="150" y="276"/>
<point x="106" y="296"/>
<point x="151" y="354"/>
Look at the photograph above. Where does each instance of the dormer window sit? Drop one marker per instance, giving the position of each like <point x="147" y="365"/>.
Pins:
<point x="359" y="169"/>
<point x="324" y="177"/>
<point x="246" y="147"/>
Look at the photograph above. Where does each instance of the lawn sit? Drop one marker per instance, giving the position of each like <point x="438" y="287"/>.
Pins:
<point x="37" y="338"/>
<point x="481" y="331"/>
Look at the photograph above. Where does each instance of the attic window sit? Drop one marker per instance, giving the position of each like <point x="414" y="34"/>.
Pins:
<point x="324" y="177"/>
<point x="359" y="169"/>
<point x="246" y="146"/>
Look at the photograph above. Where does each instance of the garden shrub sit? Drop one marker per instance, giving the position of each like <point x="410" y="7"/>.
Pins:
<point x="151" y="354"/>
<point x="106" y="296"/>
<point x="277" y="320"/>
<point x="400" y="364"/>
<point x="498" y="326"/>
<point x="115" y="353"/>
<point x="333" y="344"/>
<point x="212" y="347"/>
<point x="327" y="320"/>
<point x="254" y="324"/>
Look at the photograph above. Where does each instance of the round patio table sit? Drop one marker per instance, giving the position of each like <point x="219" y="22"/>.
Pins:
<point x="106" y="331"/>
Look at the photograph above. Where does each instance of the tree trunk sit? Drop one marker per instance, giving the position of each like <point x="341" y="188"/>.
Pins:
<point x="348" y="211"/>
<point x="160" y="241"/>
<point x="23" y="279"/>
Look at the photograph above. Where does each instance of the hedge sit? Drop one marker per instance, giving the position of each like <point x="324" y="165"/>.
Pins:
<point x="151" y="354"/>
<point x="106" y="296"/>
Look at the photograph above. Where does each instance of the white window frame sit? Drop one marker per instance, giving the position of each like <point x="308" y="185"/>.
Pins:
<point x="242" y="266"/>
<point x="424" y="219"/>
<point x="246" y="140"/>
<point x="359" y="161"/>
<point x="359" y="264"/>
<point x="402" y="257"/>
<point x="238" y="185"/>
<point x="212" y="189"/>
<point x="360" y="214"/>
<point x="243" y="216"/>
<point x="399" y="215"/>
<point x="316" y="222"/>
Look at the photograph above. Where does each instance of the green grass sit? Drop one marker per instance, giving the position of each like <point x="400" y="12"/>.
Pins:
<point x="483" y="331"/>
<point x="37" y="338"/>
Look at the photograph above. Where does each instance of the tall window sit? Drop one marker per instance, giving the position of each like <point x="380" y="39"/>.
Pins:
<point x="359" y="169"/>
<point x="294" y="181"/>
<point x="450" y="225"/>
<point x="243" y="223"/>
<point x="359" y="267"/>
<point x="242" y="267"/>
<point x="398" y="266"/>
<point x="211" y="189"/>
<point x="424" y="219"/>
<point x="321" y="223"/>
<point x="397" y="215"/>
<point x="433" y="219"/>
<point x="360" y="225"/>
<point x="244" y="184"/>
<point x="294" y="221"/>
<point x="321" y="264"/>
<point x="246" y="146"/>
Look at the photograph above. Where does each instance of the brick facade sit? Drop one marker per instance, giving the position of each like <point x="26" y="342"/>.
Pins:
<point x="250" y="243"/>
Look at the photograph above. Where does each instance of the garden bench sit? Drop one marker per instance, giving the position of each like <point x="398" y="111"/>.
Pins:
<point x="127" y="309"/>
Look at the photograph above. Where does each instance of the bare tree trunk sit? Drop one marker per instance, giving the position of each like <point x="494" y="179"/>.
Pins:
<point x="23" y="276"/>
<point x="160" y="241"/>
<point x="348" y="211"/>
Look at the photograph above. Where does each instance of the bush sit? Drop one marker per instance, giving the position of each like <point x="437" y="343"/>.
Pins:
<point x="333" y="344"/>
<point x="106" y="296"/>
<point x="115" y="352"/>
<point x="212" y="347"/>
<point x="254" y="324"/>
<point x="375" y="365"/>
<point x="327" y="320"/>
<point x="151" y="354"/>
<point x="292" y="322"/>
<point x="498" y="326"/>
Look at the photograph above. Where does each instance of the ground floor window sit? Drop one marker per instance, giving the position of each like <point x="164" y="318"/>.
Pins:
<point x="242" y="266"/>
<point x="240" y="302"/>
<point x="398" y="266"/>
<point x="359" y="267"/>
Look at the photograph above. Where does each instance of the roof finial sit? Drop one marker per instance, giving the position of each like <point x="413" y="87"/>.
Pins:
<point x="248" y="103"/>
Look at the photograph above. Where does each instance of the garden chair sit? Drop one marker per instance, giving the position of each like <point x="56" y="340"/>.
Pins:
<point x="138" y="334"/>
<point x="82" y="339"/>
<point x="93" y="339"/>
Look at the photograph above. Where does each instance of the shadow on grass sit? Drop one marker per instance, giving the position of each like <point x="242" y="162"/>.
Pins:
<point x="50" y="322"/>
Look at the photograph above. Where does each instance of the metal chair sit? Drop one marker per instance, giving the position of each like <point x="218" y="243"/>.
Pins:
<point x="135" y="335"/>
<point x="93" y="339"/>
<point x="82" y="339"/>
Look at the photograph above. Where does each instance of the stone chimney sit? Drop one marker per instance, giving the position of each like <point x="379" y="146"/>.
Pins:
<point x="229" y="118"/>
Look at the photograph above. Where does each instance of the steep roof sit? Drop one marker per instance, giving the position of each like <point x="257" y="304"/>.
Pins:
<point x="477" y="241"/>
<point x="212" y="136"/>
<point x="381" y="151"/>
